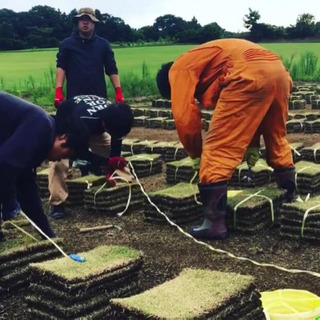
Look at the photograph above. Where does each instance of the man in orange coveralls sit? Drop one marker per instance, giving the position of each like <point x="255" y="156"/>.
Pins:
<point x="249" y="88"/>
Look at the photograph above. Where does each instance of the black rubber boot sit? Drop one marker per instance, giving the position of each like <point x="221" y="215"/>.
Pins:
<point x="214" y="201"/>
<point x="286" y="179"/>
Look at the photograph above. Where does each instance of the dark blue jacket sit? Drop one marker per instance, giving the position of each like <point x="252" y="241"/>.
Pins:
<point x="85" y="62"/>
<point x="27" y="135"/>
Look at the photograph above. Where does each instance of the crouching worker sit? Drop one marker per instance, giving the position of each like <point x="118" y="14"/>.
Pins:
<point x="28" y="136"/>
<point x="248" y="87"/>
<point x="107" y="123"/>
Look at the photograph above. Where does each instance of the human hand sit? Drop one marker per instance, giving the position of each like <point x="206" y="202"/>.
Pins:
<point x="115" y="163"/>
<point x="110" y="182"/>
<point x="252" y="155"/>
<point x="58" y="97"/>
<point x="119" y="95"/>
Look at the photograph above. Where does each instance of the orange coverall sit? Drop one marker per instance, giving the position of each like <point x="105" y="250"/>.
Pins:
<point x="248" y="87"/>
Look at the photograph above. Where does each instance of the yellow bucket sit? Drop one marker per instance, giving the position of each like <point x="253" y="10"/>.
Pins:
<point x="290" y="304"/>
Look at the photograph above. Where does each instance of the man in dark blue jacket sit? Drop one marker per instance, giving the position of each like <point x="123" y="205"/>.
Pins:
<point x="83" y="60"/>
<point x="28" y="136"/>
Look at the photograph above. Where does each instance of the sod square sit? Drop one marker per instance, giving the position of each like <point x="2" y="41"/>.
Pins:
<point x="83" y="290"/>
<point x="214" y="295"/>
<point x="178" y="202"/>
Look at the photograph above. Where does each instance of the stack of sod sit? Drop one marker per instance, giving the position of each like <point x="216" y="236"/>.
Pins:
<point x="296" y="148"/>
<point x="315" y="104"/>
<point x="140" y="146"/>
<point x="112" y="200"/>
<point x="178" y="202"/>
<point x="65" y="289"/>
<point x="301" y="220"/>
<point x="155" y="122"/>
<point x="160" y="147"/>
<point x="312" y="115"/>
<point x="311" y="153"/>
<point x="294" y="126"/>
<point x="77" y="187"/>
<point x="168" y="124"/>
<point x="297" y="104"/>
<point x="299" y="116"/>
<point x="140" y="121"/>
<point x="175" y="152"/>
<point x="15" y="255"/>
<point x="254" y="210"/>
<point x="290" y="116"/>
<point x="161" y="103"/>
<point x="295" y="96"/>
<point x="138" y="111"/>
<point x="306" y="94"/>
<point x="195" y="294"/>
<point x="127" y="145"/>
<point x="42" y="182"/>
<point x="146" y="164"/>
<point x="308" y="177"/>
<point x="312" y="126"/>
<point x="155" y="113"/>
<point x="181" y="171"/>
<point x="261" y="174"/>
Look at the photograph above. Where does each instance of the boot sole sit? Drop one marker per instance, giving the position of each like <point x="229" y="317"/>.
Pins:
<point x="204" y="236"/>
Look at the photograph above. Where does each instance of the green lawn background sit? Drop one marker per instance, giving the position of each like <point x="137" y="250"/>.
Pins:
<point x="17" y="67"/>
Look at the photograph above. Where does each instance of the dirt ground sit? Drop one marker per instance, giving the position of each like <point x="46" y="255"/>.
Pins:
<point x="167" y="251"/>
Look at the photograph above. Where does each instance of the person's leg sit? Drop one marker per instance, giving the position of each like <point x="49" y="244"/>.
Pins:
<point x="29" y="199"/>
<point x="10" y="209"/>
<point x="273" y="128"/>
<point x="100" y="145"/>
<point x="233" y="125"/>
<point x="57" y="187"/>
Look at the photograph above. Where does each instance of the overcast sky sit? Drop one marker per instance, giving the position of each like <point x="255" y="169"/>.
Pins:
<point x="227" y="13"/>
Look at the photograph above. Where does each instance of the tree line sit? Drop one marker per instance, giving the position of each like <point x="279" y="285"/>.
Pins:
<point x="45" y="27"/>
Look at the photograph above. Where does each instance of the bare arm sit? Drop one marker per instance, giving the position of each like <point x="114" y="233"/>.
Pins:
<point x="60" y="76"/>
<point x="115" y="80"/>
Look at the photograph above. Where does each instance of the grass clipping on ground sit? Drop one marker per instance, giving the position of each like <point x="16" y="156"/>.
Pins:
<point x="192" y="293"/>
<point x="99" y="260"/>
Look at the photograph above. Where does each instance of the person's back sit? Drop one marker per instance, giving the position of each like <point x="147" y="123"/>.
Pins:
<point x="21" y="117"/>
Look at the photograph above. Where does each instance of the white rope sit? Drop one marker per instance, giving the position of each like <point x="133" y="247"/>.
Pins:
<point x="48" y="238"/>
<point x="229" y="254"/>
<point x="305" y="217"/>
<point x="115" y="178"/>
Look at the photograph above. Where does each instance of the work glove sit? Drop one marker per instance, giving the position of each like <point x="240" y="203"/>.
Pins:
<point x="114" y="163"/>
<point x="119" y="95"/>
<point x="58" y="97"/>
<point x="252" y="155"/>
<point x="196" y="164"/>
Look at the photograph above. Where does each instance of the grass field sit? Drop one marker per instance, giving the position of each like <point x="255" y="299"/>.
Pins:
<point x="23" y="71"/>
<point x="17" y="66"/>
